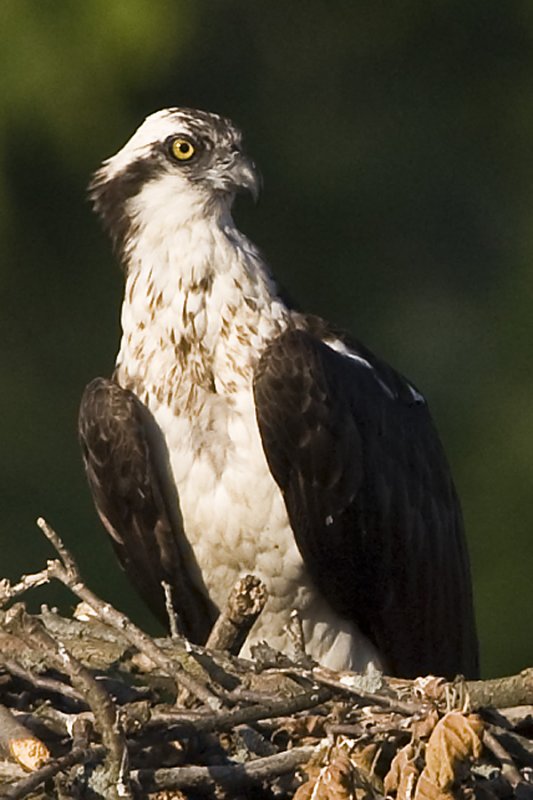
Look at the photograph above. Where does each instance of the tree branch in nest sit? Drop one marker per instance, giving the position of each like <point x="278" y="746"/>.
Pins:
<point x="232" y="778"/>
<point x="245" y="602"/>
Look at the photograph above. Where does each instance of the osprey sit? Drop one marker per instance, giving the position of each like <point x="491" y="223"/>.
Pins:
<point x="238" y="435"/>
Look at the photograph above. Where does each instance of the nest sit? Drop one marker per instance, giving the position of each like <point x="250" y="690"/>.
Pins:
<point x="93" y="707"/>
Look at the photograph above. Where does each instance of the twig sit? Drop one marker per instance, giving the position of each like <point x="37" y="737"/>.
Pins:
<point x="296" y="634"/>
<point x="509" y="771"/>
<point x="237" y="716"/>
<point x="66" y="557"/>
<point x="231" y="778"/>
<point x="9" y="591"/>
<point x="326" y="678"/>
<point x="517" y="715"/>
<point x="171" y="611"/>
<point x="52" y="719"/>
<point x="68" y="573"/>
<point x="40" y="682"/>
<point x="517" y="745"/>
<point x="245" y="602"/>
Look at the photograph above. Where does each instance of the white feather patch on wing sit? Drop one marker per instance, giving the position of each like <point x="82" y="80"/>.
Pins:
<point x="341" y="348"/>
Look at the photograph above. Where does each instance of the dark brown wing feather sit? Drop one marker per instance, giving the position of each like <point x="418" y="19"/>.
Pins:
<point x="371" y="501"/>
<point x="135" y="502"/>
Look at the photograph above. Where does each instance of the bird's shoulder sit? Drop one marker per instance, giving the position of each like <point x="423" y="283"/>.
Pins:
<point x="358" y="369"/>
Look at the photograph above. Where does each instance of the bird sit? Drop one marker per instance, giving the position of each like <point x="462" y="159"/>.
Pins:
<point x="240" y="435"/>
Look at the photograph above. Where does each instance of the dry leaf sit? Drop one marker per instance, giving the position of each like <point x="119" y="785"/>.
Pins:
<point x="422" y="728"/>
<point x="29" y="752"/>
<point x="364" y="760"/>
<point x="364" y="757"/>
<point x="310" y="726"/>
<point x="427" y="789"/>
<point x="431" y="687"/>
<point x="455" y="739"/>
<point x="402" y="776"/>
<point x="312" y="771"/>
<point x="335" y="781"/>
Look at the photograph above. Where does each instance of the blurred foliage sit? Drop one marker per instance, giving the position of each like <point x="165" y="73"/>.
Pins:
<point x="395" y="142"/>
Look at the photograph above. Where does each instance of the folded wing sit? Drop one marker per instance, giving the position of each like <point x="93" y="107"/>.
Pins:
<point x="124" y="459"/>
<point x="370" y="499"/>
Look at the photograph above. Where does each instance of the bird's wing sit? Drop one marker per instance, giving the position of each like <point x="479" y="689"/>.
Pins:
<point x="133" y="497"/>
<point x="370" y="499"/>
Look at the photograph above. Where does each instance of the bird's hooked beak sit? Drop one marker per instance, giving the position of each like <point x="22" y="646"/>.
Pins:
<point x="243" y="176"/>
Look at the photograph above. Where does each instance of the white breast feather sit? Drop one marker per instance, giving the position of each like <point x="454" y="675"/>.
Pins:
<point x="233" y="511"/>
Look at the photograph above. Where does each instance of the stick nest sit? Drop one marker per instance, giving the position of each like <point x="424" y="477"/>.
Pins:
<point x="93" y="707"/>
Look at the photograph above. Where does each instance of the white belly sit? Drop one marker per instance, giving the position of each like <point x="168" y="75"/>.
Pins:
<point x="235" y="519"/>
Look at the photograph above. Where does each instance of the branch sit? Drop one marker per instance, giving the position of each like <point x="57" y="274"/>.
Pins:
<point x="509" y="771"/>
<point x="246" y="601"/>
<point x="231" y="778"/>
<point x="47" y="685"/>
<point x="237" y="716"/>
<point x="173" y="622"/>
<point x="9" y="591"/>
<point x="514" y="690"/>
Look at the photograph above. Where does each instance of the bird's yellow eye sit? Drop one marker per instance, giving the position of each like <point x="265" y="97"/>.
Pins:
<point x="182" y="149"/>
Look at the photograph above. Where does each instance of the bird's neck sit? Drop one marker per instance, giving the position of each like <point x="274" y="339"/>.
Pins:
<point x="199" y="308"/>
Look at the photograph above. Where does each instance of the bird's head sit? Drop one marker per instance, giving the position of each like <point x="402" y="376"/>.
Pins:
<point x="180" y="162"/>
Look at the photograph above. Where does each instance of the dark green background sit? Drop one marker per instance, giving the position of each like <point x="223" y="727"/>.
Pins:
<point x="396" y="144"/>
